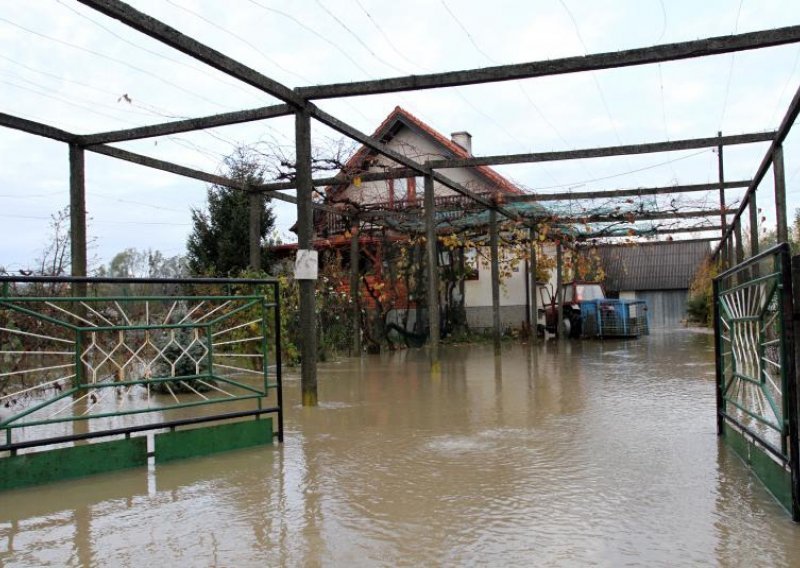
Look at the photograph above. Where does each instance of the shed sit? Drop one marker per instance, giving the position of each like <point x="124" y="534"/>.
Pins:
<point x="659" y="273"/>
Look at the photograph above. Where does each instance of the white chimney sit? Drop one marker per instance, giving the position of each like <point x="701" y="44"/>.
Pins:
<point x="463" y="139"/>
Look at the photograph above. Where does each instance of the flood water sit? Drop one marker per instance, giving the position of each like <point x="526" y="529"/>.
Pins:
<point x="575" y="454"/>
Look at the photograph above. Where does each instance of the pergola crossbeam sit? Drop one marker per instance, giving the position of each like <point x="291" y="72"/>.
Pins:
<point x="168" y="35"/>
<point x="642" y="191"/>
<point x="593" y="62"/>
<point x="37" y="128"/>
<point x="633" y="216"/>
<point x="187" y="125"/>
<point x="604" y="152"/>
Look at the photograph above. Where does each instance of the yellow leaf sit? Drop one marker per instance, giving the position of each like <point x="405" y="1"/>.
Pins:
<point x="357" y="181"/>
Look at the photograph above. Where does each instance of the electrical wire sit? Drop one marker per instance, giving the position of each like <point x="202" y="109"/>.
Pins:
<point x="115" y="60"/>
<point x="628" y="172"/>
<point x="730" y="70"/>
<point x="194" y="68"/>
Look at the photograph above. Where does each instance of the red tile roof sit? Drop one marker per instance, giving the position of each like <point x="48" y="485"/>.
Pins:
<point x="494" y="178"/>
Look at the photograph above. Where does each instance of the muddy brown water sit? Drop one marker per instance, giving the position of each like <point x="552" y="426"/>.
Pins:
<point x="574" y="454"/>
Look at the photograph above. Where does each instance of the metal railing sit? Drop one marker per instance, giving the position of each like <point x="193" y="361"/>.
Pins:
<point x="756" y="370"/>
<point x="87" y="357"/>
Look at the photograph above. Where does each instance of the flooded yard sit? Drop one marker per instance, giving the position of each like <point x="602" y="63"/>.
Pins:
<point x="578" y="453"/>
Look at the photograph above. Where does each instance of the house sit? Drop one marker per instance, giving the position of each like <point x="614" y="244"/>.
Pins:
<point x="406" y="134"/>
<point x="659" y="273"/>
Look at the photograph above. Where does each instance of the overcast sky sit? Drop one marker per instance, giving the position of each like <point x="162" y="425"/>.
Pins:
<point x="65" y="65"/>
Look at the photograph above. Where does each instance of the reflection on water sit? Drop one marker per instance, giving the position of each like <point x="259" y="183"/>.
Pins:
<point x="587" y="453"/>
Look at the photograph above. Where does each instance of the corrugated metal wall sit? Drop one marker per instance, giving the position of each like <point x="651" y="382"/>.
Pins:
<point x="665" y="308"/>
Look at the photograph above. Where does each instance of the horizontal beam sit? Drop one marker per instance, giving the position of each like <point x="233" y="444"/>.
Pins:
<point x="645" y="232"/>
<point x="633" y="217"/>
<point x="342" y="179"/>
<point x="187" y="125"/>
<point x="190" y="173"/>
<point x="36" y="128"/>
<point x="626" y="150"/>
<point x="574" y="195"/>
<point x="594" y="62"/>
<point x="168" y="35"/>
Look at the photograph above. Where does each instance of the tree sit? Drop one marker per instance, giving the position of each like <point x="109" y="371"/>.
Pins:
<point x="134" y="263"/>
<point x="219" y="242"/>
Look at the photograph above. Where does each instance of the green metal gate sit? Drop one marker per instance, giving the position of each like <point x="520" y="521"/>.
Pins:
<point x="101" y="374"/>
<point x="756" y="373"/>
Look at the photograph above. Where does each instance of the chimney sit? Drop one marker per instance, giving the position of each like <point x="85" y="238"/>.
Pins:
<point x="463" y="139"/>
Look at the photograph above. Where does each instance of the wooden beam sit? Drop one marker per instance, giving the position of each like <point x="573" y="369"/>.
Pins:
<point x="617" y="217"/>
<point x="604" y="152"/>
<point x="783" y="131"/>
<point x="432" y="250"/>
<point x="594" y="62"/>
<point x="77" y="210"/>
<point x="168" y="35"/>
<point x="779" y="174"/>
<point x="190" y="173"/>
<point x="574" y="195"/>
<point x="305" y="236"/>
<point x="355" y="291"/>
<point x="37" y="128"/>
<point x="188" y="125"/>
<point x="255" y="208"/>
<point x="722" y="202"/>
<point x="494" y="237"/>
<point x="342" y="179"/>
<point x="645" y="232"/>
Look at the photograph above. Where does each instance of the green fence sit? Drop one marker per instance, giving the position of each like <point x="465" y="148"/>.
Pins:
<point x="756" y="378"/>
<point x="90" y="363"/>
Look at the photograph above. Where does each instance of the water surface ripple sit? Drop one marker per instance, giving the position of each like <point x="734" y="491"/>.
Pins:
<point x="574" y="454"/>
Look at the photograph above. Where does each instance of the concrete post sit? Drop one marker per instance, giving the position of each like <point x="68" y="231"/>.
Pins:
<point x="355" y="298"/>
<point x="305" y="231"/>
<point x="254" y="224"/>
<point x="495" y="263"/>
<point x="433" y="270"/>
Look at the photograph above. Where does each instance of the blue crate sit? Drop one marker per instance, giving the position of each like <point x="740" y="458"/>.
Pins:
<point x="614" y="318"/>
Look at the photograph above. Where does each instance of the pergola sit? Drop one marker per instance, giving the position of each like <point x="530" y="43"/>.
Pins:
<point x="299" y="103"/>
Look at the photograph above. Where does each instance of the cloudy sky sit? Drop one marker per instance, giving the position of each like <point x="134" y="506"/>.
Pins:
<point x="65" y="65"/>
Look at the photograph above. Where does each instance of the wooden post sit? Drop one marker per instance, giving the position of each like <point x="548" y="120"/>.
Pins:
<point x="737" y="230"/>
<point x="722" y="207"/>
<point x="780" y="194"/>
<point x="495" y="263"/>
<point x="77" y="210"/>
<point x="433" y="270"/>
<point x="753" y="207"/>
<point x="534" y="316"/>
<point x="255" y="201"/>
<point x="355" y="297"/>
<point x="560" y="291"/>
<point x="305" y="230"/>
<point x="791" y="323"/>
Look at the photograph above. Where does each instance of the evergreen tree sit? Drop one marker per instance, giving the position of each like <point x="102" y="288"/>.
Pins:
<point x="219" y="243"/>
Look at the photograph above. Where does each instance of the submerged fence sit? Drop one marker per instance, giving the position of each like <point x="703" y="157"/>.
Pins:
<point x="115" y="359"/>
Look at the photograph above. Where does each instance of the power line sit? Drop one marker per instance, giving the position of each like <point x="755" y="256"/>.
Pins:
<point x="235" y="36"/>
<point x="730" y="70"/>
<point x="314" y="32"/>
<point x="195" y="68"/>
<point x="653" y="166"/>
<point x="115" y="60"/>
